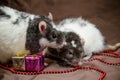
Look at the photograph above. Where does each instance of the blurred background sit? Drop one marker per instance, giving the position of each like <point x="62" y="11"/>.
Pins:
<point x="105" y="14"/>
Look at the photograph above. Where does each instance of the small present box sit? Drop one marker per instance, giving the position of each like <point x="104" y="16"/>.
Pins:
<point x="41" y="57"/>
<point x="34" y="63"/>
<point x="18" y="63"/>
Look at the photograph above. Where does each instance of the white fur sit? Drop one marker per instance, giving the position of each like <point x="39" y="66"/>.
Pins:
<point x="87" y="31"/>
<point x="12" y="36"/>
<point x="43" y="42"/>
<point x="73" y="44"/>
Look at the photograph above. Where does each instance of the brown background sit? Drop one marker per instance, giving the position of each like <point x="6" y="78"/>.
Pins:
<point x="105" y="14"/>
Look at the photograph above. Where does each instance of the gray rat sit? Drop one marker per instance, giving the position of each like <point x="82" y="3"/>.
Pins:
<point x="21" y="32"/>
<point x="70" y="54"/>
<point x="84" y="33"/>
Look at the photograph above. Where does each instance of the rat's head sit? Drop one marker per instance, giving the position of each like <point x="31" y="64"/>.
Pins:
<point x="51" y="37"/>
<point x="42" y="33"/>
<point x="72" y="52"/>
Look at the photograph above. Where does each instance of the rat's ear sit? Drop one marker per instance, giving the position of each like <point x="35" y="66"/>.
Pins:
<point x="42" y="27"/>
<point x="82" y="42"/>
<point x="50" y="16"/>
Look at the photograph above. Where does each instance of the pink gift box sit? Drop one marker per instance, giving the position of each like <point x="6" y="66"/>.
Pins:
<point x="41" y="61"/>
<point x="34" y="63"/>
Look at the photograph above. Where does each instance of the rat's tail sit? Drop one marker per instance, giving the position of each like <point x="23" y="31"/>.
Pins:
<point x="114" y="47"/>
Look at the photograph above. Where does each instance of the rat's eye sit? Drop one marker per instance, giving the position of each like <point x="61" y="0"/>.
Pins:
<point x="70" y="53"/>
<point x="54" y="35"/>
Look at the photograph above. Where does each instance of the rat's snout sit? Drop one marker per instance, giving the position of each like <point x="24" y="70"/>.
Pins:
<point x="63" y="44"/>
<point x="75" y="61"/>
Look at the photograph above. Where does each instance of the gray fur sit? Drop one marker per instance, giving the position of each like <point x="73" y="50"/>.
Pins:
<point x="69" y="54"/>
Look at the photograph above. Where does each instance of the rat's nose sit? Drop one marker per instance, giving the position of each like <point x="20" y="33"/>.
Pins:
<point x="75" y="61"/>
<point x="63" y="44"/>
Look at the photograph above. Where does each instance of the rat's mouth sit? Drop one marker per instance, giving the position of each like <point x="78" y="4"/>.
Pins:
<point x="42" y="47"/>
<point x="64" y="43"/>
<point x="71" y="63"/>
<point x="74" y="64"/>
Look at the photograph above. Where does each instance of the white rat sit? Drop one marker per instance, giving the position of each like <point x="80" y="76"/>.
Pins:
<point x="22" y="32"/>
<point x="88" y="32"/>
